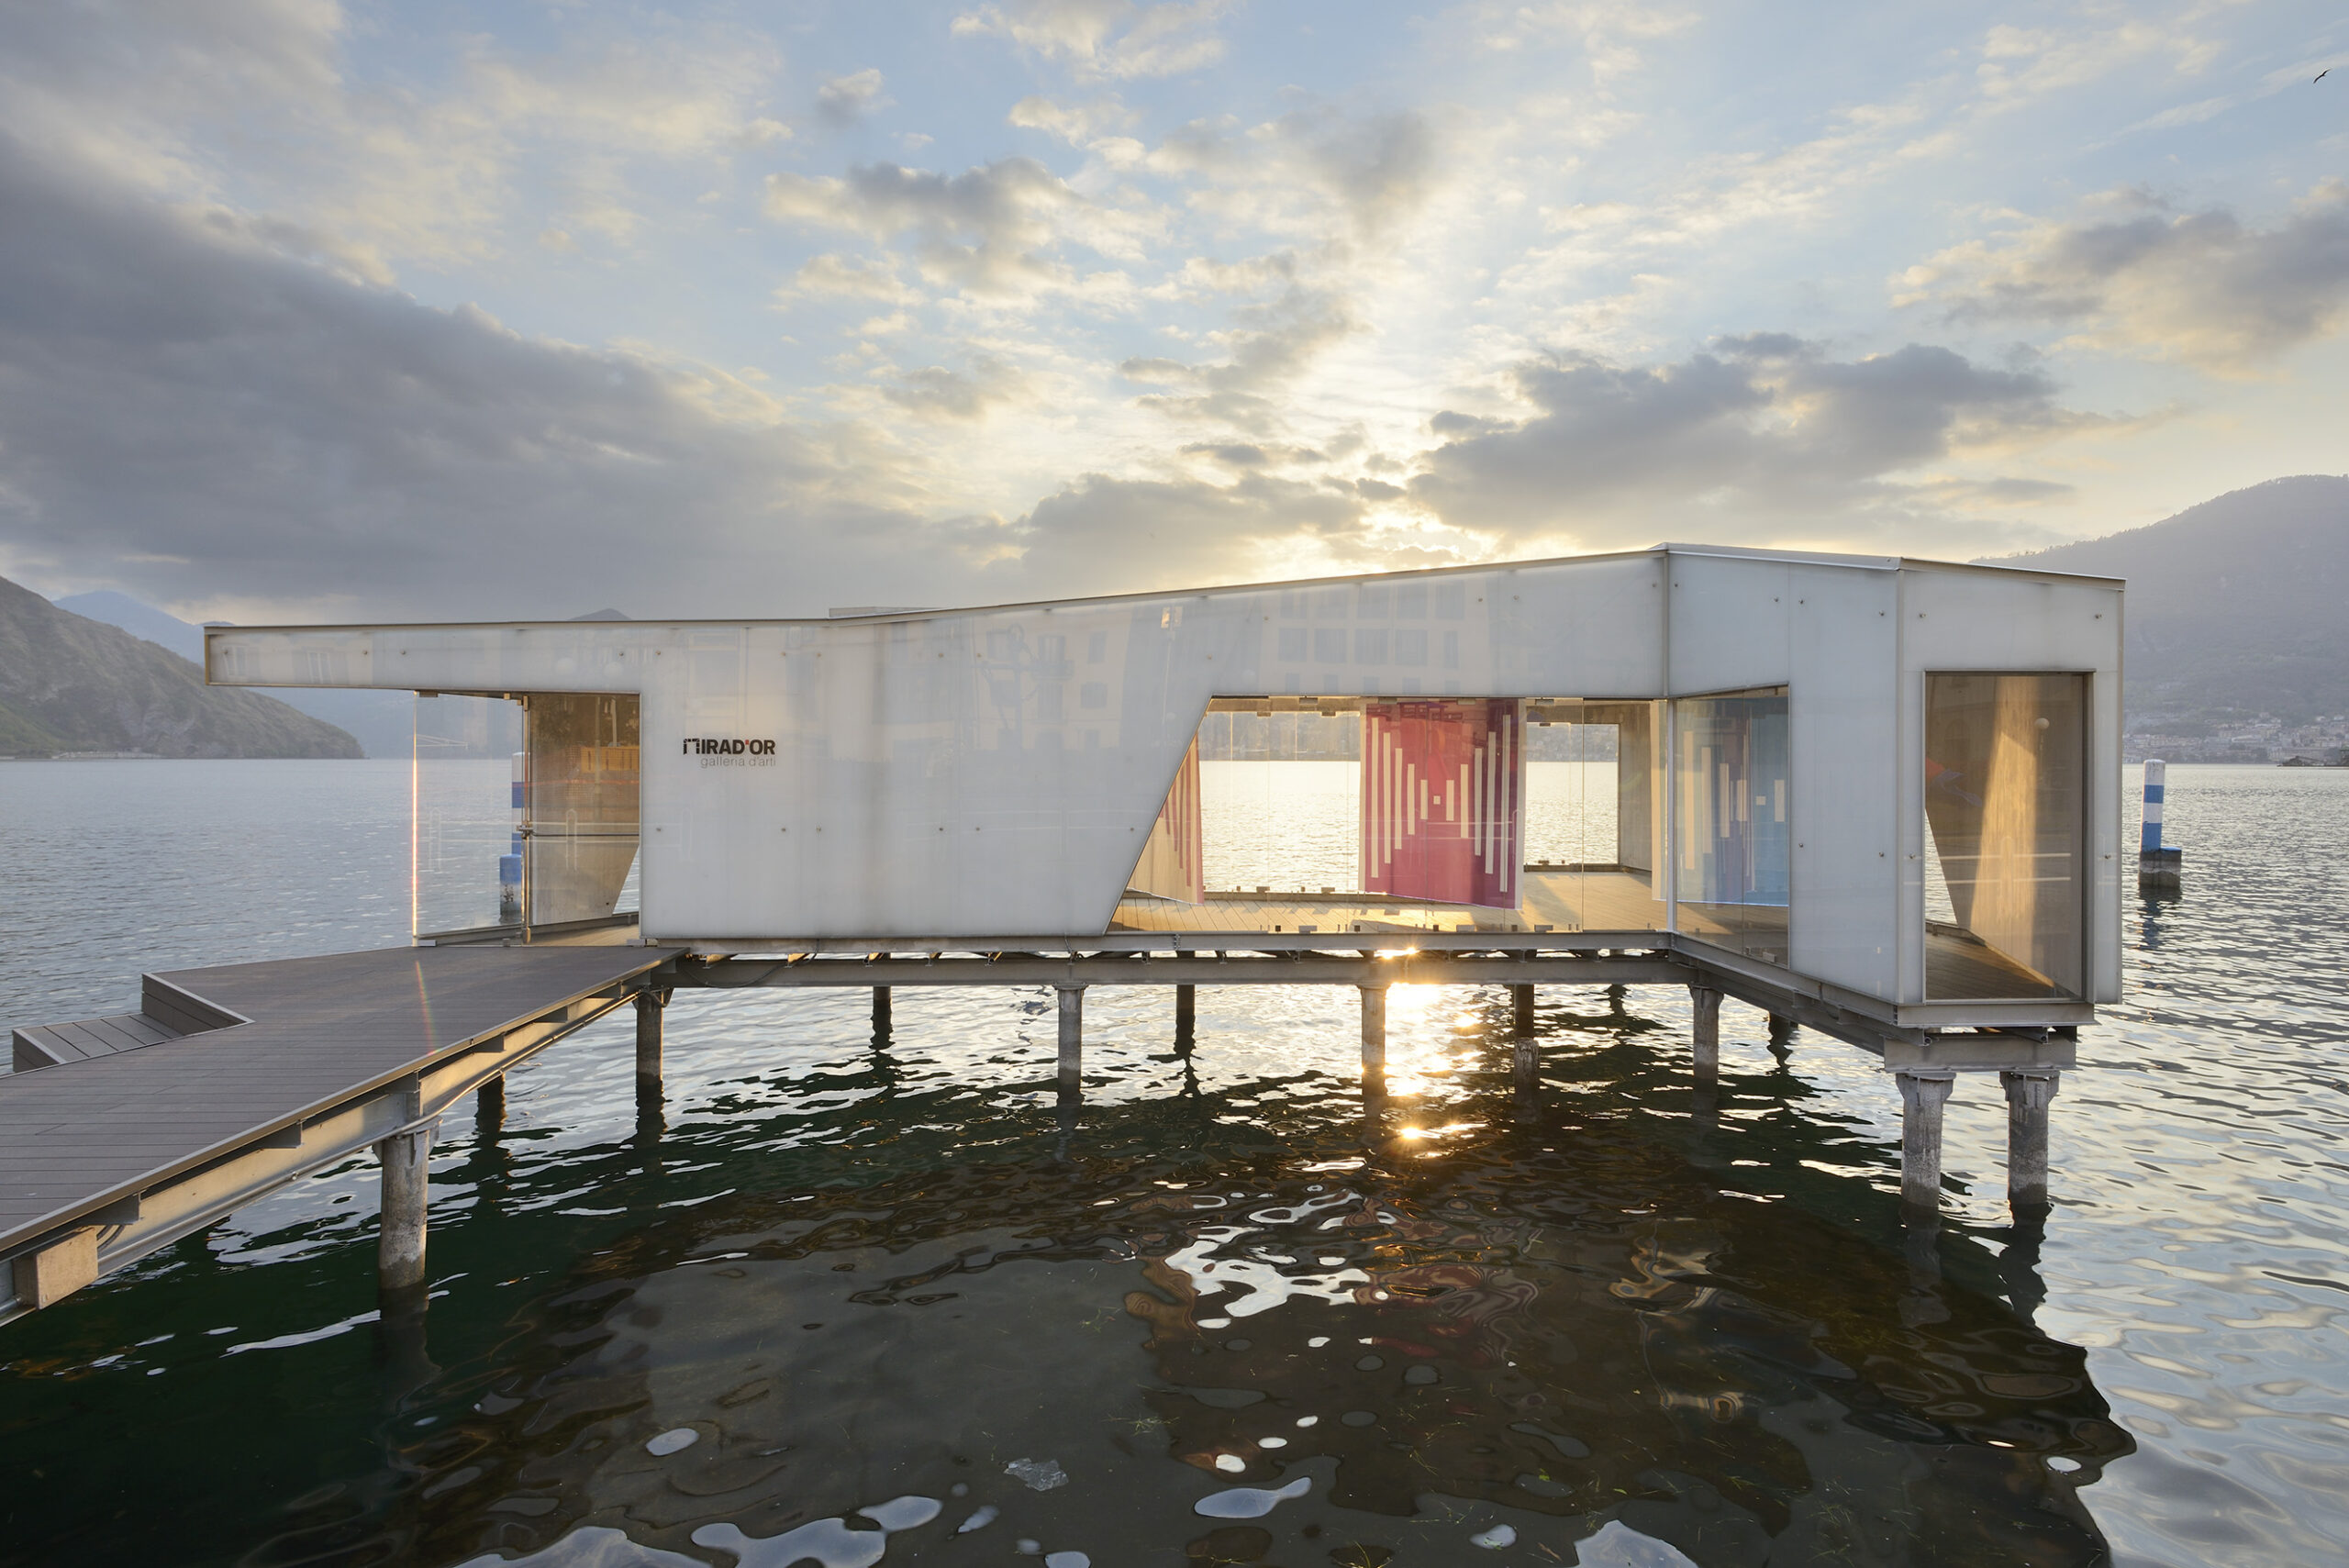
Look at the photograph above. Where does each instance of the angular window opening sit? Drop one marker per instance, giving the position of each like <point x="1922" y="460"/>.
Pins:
<point x="1359" y="813"/>
<point x="524" y="812"/>
<point x="2005" y="773"/>
<point x="1734" y="859"/>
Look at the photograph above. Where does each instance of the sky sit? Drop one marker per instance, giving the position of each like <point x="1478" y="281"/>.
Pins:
<point x="313" y="311"/>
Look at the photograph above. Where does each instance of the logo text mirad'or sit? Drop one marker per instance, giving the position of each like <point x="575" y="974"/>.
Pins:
<point x="719" y="751"/>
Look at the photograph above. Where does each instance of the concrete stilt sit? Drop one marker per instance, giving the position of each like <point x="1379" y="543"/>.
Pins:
<point x="1187" y="1008"/>
<point x="406" y="1158"/>
<point x="1923" y="1092"/>
<point x="1525" y="1063"/>
<point x="1705" y="1029"/>
<point x="1521" y="1006"/>
<point x="1374" y="1029"/>
<point x="489" y="1107"/>
<point x="1072" y="1064"/>
<point x="1782" y="1037"/>
<point x="880" y="1012"/>
<point x="648" y="1042"/>
<point x="2028" y="1095"/>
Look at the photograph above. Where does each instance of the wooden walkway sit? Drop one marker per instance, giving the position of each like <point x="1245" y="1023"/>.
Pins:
<point x="305" y="1060"/>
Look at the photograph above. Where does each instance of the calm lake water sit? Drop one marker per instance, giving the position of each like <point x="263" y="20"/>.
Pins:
<point x="841" y="1300"/>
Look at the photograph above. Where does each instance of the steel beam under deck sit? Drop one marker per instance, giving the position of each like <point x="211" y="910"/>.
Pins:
<point x="1230" y="968"/>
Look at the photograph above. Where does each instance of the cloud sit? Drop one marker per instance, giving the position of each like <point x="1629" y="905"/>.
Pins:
<point x="212" y="101"/>
<point x="1271" y="344"/>
<point x="1106" y="37"/>
<point x="844" y="100"/>
<point x="1317" y="169"/>
<point x="1188" y="531"/>
<point x="2136" y="276"/>
<point x="192" y="416"/>
<point x="1075" y="124"/>
<point x="1767" y="435"/>
<point x="832" y="274"/>
<point x="937" y="393"/>
<point x="988" y="231"/>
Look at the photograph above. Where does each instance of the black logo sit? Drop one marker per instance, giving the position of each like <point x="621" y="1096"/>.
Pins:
<point x="710" y="746"/>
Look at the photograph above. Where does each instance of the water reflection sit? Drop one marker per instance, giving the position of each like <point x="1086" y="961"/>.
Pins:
<point x="1423" y="1318"/>
<point x="235" y="1398"/>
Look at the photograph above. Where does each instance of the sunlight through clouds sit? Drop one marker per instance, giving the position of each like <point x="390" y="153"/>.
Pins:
<point x="1045" y="296"/>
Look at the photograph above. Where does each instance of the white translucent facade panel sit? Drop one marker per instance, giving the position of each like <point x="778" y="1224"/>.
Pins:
<point x="999" y="771"/>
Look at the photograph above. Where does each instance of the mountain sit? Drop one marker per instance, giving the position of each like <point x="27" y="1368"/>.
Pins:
<point x="2235" y="607"/>
<point x="71" y="684"/>
<point x="383" y="722"/>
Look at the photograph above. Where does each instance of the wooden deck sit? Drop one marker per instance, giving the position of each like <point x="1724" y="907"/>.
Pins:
<point x="298" y="1041"/>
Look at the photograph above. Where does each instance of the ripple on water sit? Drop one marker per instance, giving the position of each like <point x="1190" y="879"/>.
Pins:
<point x="835" y="1260"/>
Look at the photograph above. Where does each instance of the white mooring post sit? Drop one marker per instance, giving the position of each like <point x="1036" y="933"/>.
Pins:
<point x="1705" y="1029"/>
<point x="1071" y="1063"/>
<point x="1373" y="1031"/>
<point x="406" y="1158"/>
<point x="1923" y="1092"/>
<point x="2159" y="867"/>
<point x="2027" y="1094"/>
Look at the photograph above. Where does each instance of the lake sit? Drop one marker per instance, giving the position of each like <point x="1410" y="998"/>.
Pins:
<point x="841" y="1300"/>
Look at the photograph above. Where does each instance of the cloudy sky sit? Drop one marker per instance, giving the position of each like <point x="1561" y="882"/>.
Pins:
<point x="445" y="310"/>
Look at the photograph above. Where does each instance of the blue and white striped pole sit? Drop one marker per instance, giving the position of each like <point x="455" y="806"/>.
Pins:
<point x="2158" y="867"/>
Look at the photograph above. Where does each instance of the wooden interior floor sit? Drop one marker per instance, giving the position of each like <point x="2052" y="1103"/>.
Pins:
<point x="1961" y="967"/>
<point x="1553" y="901"/>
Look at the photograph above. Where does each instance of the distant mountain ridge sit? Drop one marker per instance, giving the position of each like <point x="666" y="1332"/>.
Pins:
<point x="384" y="723"/>
<point x="2235" y="607"/>
<point x="71" y="684"/>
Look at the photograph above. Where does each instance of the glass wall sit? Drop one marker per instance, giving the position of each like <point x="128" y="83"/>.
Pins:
<point x="465" y="846"/>
<point x="581" y="791"/>
<point x="524" y="811"/>
<point x="2005" y="773"/>
<point x="1734" y="865"/>
<point x="1351" y="814"/>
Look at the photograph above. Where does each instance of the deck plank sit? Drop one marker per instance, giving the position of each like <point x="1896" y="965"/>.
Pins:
<point x="323" y="1028"/>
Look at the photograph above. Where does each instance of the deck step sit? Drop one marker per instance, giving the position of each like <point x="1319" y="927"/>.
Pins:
<point x="50" y="1045"/>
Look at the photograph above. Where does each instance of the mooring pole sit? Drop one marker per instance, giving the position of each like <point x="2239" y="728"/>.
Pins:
<point x="2027" y="1094"/>
<point x="1187" y="1008"/>
<point x="648" y="1044"/>
<point x="1923" y="1092"/>
<point x="1072" y="1064"/>
<point x="1521" y="1007"/>
<point x="1374" y="1030"/>
<point x="2159" y="868"/>
<point x="1782" y="1037"/>
<point x="1705" y="1029"/>
<point x="880" y="1012"/>
<point x="406" y="1160"/>
<point x="489" y="1107"/>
